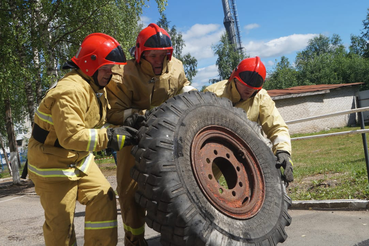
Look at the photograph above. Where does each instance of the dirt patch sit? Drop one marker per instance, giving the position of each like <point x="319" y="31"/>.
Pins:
<point x="7" y="188"/>
<point x="310" y="183"/>
<point x="108" y="169"/>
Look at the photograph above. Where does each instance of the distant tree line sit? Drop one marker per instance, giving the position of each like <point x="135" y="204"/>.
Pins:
<point x="324" y="61"/>
<point x="37" y="37"/>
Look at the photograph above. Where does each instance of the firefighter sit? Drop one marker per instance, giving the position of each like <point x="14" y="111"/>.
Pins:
<point x="69" y="124"/>
<point x="148" y="80"/>
<point x="245" y="89"/>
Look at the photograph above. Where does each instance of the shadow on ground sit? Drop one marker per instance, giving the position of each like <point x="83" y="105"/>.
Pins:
<point x="8" y="188"/>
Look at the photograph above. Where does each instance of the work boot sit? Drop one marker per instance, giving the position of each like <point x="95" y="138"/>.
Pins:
<point x="132" y="240"/>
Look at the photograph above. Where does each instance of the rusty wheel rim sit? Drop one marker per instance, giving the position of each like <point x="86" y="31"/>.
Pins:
<point x="218" y="148"/>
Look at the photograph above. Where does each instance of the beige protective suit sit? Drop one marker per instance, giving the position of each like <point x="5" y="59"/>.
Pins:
<point x="68" y="126"/>
<point x="135" y="88"/>
<point x="259" y="108"/>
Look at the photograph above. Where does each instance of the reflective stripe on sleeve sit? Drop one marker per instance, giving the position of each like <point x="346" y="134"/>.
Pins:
<point x="89" y="225"/>
<point x="44" y="117"/>
<point x="135" y="231"/>
<point x="121" y="139"/>
<point x="92" y="140"/>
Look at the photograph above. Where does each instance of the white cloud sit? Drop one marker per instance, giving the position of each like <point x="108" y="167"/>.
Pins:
<point x="278" y="47"/>
<point x="200" y="38"/>
<point x="270" y="63"/>
<point x="145" y="21"/>
<point x="203" y="75"/>
<point x="197" y="46"/>
<point x="251" y="26"/>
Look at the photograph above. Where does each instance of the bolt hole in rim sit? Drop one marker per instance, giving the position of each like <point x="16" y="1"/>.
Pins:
<point x="218" y="153"/>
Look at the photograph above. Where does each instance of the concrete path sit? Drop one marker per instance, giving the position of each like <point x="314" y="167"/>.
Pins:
<point x="21" y="220"/>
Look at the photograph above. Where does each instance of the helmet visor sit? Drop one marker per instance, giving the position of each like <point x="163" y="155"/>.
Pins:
<point x="116" y="55"/>
<point x="251" y="78"/>
<point x="159" y="40"/>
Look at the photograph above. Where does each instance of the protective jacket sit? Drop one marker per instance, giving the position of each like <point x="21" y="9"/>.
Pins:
<point x="135" y="87"/>
<point x="67" y="128"/>
<point x="260" y="108"/>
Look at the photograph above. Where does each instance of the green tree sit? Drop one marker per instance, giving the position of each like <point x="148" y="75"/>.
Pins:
<point x="228" y="57"/>
<point x="321" y="62"/>
<point x="37" y="37"/>
<point x="365" y="35"/>
<point x="358" y="46"/>
<point x="189" y="62"/>
<point x="283" y="76"/>
<point x="41" y="36"/>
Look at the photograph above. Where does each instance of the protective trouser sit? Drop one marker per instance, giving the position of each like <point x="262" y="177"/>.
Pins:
<point x="58" y="198"/>
<point x="133" y="214"/>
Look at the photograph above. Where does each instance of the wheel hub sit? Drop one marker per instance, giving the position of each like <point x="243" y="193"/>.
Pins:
<point x="227" y="172"/>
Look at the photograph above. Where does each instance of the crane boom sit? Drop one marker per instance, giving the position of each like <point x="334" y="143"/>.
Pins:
<point x="231" y="24"/>
<point x="238" y="35"/>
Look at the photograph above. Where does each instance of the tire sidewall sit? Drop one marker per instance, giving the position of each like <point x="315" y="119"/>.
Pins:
<point x="189" y="125"/>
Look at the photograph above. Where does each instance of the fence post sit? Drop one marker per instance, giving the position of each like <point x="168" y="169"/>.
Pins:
<point x="363" y="136"/>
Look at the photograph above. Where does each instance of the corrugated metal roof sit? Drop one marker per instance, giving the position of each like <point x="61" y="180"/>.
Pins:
<point x="308" y="88"/>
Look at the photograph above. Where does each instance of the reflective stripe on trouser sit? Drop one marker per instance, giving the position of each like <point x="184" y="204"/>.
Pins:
<point x="132" y="214"/>
<point x="58" y="198"/>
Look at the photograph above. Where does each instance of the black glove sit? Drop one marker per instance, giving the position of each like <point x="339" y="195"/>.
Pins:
<point x="284" y="160"/>
<point x="121" y="136"/>
<point x="135" y="120"/>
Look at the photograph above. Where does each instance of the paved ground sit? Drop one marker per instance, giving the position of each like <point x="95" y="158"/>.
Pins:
<point x="21" y="218"/>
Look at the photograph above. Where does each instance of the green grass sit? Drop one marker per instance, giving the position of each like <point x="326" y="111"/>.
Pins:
<point x="5" y="172"/>
<point x="329" y="168"/>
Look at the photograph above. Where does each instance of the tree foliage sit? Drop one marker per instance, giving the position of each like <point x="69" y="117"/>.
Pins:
<point x="324" y="61"/>
<point x="284" y="76"/>
<point x="189" y="62"/>
<point x="228" y="57"/>
<point x="365" y="36"/>
<point x="38" y="36"/>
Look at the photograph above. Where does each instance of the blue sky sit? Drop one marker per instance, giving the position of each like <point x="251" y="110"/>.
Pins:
<point x="269" y="29"/>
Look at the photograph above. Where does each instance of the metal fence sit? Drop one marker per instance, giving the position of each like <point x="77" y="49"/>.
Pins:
<point x="362" y="131"/>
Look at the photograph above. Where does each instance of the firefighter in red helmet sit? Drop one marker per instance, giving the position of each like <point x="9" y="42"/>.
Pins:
<point x="69" y="124"/>
<point x="245" y="89"/>
<point x="148" y="80"/>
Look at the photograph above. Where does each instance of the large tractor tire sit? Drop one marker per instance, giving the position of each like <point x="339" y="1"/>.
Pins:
<point x="206" y="177"/>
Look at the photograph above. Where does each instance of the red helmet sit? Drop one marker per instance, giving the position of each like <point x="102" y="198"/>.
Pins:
<point x="96" y="50"/>
<point x="153" y="38"/>
<point x="251" y="72"/>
